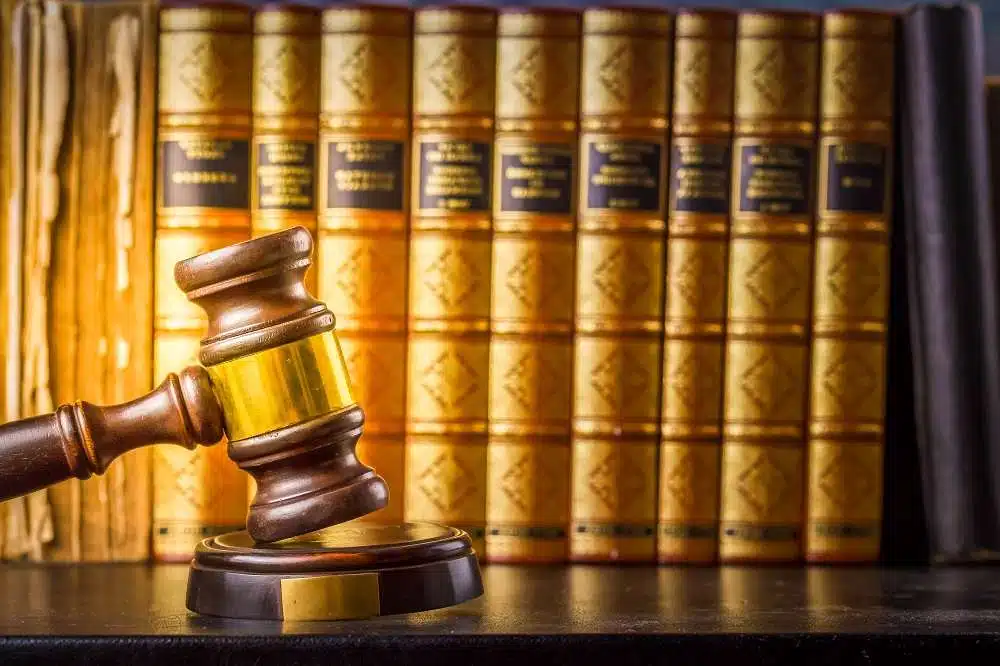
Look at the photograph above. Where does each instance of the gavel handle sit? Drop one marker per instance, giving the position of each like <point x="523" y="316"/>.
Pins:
<point x="80" y="439"/>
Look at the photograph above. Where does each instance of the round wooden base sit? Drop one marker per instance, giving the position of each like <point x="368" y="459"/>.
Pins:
<point x="350" y="571"/>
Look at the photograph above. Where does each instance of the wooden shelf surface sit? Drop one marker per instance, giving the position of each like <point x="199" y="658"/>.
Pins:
<point x="125" y="613"/>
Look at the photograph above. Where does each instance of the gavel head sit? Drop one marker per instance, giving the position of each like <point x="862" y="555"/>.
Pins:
<point x="279" y="374"/>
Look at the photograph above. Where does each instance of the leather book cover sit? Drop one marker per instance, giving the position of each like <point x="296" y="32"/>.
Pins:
<point x="285" y="106"/>
<point x="361" y="255"/>
<point x="697" y="265"/>
<point x="626" y="69"/>
<point x="6" y="295"/>
<point x="850" y="288"/>
<point x="202" y="203"/>
<point x="903" y="540"/>
<point x="952" y="272"/>
<point x="531" y="348"/>
<point x="449" y="281"/>
<point x="286" y="89"/>
<point x="770" y="268"/>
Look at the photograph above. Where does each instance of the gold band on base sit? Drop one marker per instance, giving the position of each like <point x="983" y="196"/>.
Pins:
<point x="281" y="386"/>
<point x="342" y="596"/>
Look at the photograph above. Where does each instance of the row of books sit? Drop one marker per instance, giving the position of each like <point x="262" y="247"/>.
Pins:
<point x="611" y="284"/>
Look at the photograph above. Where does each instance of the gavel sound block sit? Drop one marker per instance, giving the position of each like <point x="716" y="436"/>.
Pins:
<point x="274" y="382"/>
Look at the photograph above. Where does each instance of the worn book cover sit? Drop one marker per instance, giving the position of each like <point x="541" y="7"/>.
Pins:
<point x="79" y="90"/>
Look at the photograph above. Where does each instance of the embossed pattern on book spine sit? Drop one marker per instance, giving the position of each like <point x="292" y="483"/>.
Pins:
<point x="770" y="266"/>
<point x="286" y="87"/>
<point x="203" y="203"/>
<point x="697" y="267"/>
<point x="851" y="287"/>
<point x="531" y="347"/>
<point x="626" y="66"/>
<point x="449" y="282"/>
<point x="364" y="149"/>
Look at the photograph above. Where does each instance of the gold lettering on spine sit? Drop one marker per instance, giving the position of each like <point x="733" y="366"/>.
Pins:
<point x="286" y="82"/>
<point x="449" y="282"/>
<point x="850" y="292"/>
<point x="761" y="510"/>
<point x="531" y="348"/>
<point x="625" y="106"/>
<point x="362" y="249"/>
<point x="694" y="343"/>
<point x="203" y="133"/>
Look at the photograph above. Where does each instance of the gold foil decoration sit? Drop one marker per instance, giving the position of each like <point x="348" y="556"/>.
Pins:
<point x="625" y="106"/>
<point x="203" y="203"/>
<point x="449" y="278"/>
<point x="363" y="190"/>
<point x="535" y="164"/>
<point x="286" y="87"/>
<point x="697" y="258"/>
<point x="851" y="287"/>
<point x="770" y="266"/>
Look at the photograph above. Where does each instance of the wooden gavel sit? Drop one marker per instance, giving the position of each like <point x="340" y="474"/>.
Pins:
<point x="274" y="382"/>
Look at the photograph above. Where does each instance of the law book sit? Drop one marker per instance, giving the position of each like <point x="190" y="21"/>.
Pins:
<point x="850" y="288"/>
<point x="78" y="220"/>
<point x="286" y="90"/>
<point x="626" y="70"/>
<point x="768" y="305"/>
<point x="531" y="344"/>
<point x="6" y="74"/>
<point x="202" y="203"/>
<point x="285" y="106"/>
<point x="953" y="279"/>
<point x="361" y="255"/>
<point x="696" y="281"/>
<point x="449" y="273"/>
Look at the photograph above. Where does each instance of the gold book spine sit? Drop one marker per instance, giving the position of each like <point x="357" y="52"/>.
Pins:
<point x="362" y="244"/>
<point x="286" y="89"/>
<point x="626" y="65"/>
<point x="203" y="203"/>
<point x="770" y="267"/>
<point x="449" y="282"/>
<point x="850" y="288"/>
<point x="531" y="347"/>
<point x="697" y="266"/>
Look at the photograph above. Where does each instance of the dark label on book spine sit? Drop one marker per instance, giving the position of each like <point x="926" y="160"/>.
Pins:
<point x="285" y="174"/>
<point x="855" y="181"/>
<point x="205" y="173"/>
<point x="624" y="175"/>
<point x="537" y="178"/>
<point x="365" y="174"/>
<point x="775" y="178"/>
<point x="455" y="175"/>
<point x="699" y="178"/>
